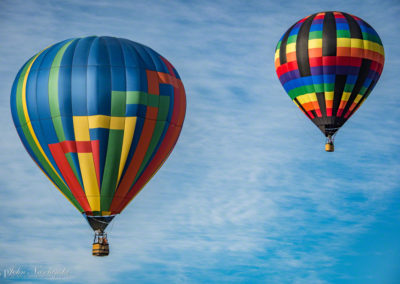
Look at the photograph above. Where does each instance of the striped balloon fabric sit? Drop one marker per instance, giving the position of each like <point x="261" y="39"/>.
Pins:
<point x="328" y="63"/>
<point x="99" y="116"/>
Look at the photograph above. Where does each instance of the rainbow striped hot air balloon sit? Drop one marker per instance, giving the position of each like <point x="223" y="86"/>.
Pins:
<point x="99" y="116"/>
<point x="329" y="63"/>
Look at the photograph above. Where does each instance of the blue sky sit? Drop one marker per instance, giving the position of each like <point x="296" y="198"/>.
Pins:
<point x="248" y="195"/>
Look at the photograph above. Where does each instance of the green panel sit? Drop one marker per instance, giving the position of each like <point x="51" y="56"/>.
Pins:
<point x="315" y="35"/>
<point x="110" y="174"/>
<point x="153" y="100"/>
<point x="371" y="37"/>
<point x="292" y="39"/>
<point x="53" y="92"/>
<point x="135" y="97"/>
<point x="329" y="87"/>
<point x="343" y="34"/>
<point x="348" y="87"/>
<point x="278" y="45"/>
<point x="362" y="91"/>
<point x="319" y="88"/>
<point x="114" y="149"/>
<point x="118" y="103"/>
<point x="309" y="89"/>
<point x="164" y="107"/>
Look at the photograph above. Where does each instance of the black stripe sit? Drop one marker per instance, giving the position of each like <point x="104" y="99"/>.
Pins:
<point x="299" y="104"/>
<point x="340" y="82"/>
<point x="329" y="35"/>
<point x="282" y="49"/>
<point x="362" y="75"/>
<point x="314" y="113"/>
<point x="355" y="30"/>
<point x="302" y="47"/>
<point x="321" y="102"/>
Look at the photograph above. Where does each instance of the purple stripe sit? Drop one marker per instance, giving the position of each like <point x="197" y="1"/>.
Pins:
<point x="317" y="21"/>
<point x="341" y="20"/>
<point x="373" y="75"/>
<point x="294" y="74"/>
<point x="335" y="69"/>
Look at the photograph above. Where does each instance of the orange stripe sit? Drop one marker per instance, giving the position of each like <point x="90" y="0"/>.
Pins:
<point x="308" y="106"/>
<point x="369" y="54"/>
<point x="315" y="52"/>
<point x="342" y="104"/>
<point x="316" y="108"/>
<point x="343" y="51"/>
<point x="167" y="79"/>
<point x="277" y="63"/>
<point x="291" y="56"/>
<point x="329" y="106"/>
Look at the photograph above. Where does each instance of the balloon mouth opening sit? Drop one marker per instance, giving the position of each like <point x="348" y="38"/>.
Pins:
<point x="99" y="223"/>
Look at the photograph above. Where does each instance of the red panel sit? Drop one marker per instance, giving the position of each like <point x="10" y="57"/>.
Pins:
<point x="284" y="68"/>
<point x="77" y="146"/>
<point x="335" y="60"/>
<point x="68" y="174"/>
<point x="338" y="15"/>
<point x="152" y="82"/>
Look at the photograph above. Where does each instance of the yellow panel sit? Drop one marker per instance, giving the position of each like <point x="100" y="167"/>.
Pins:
<point x="291" y="47"/>
<point x="313" y="97"/>
<point x="117" y="123"/>
<point x="81" y="128"/>
<point x="99" y="121"/>
<point x="129" y="130"/>
<point x="86" y="163"/>
<point x="329" y="96"/>
<point x="373" y="46"/>
<point x="315" y="43"/>
<point x="108" y="122"/>
<point x="345" y="96"/>
<point x="343" y="42"/>
<point x="357" y="99"/>
<point x="364" y="44"/>
<point x="303" y="99"/>
<point x="306" y="98"/>
<point x="357" y="43"/>
<point x="90" y="180"/>
<point x="276" y="54"/>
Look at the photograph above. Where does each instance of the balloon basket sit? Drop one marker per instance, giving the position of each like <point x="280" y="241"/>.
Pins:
<point x="329" y="147"/>
<point x="100" y="244"/>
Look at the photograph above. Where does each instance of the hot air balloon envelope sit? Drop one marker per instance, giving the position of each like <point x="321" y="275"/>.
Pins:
<point x="99" y="116"/>
<point x="328" y="63"/>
